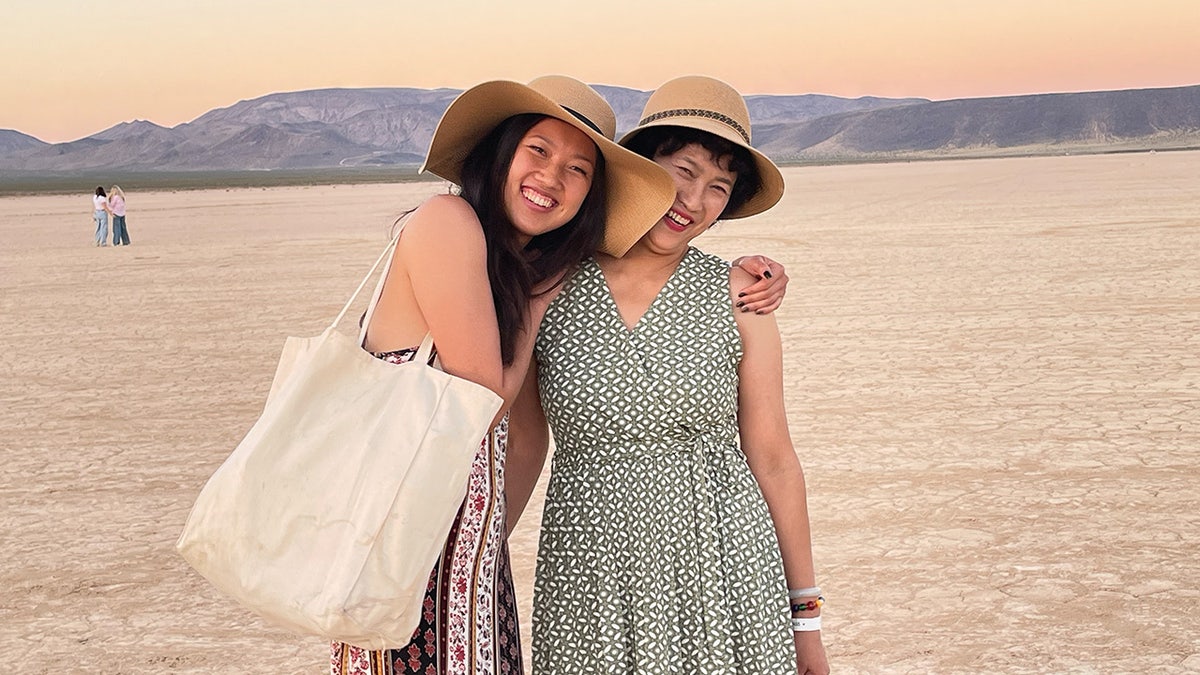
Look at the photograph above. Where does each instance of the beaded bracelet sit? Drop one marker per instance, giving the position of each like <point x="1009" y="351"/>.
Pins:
<point x="806" y="625"/>
<point x="808" y="606"/>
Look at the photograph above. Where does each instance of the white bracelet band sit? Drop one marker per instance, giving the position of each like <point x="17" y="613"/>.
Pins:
<point x="794" y="593"/>
<point x="806" y="625"/>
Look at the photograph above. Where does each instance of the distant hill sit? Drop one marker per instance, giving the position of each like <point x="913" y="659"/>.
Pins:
<point x="391" y="127"/>
<point x="1147" y="118"/>
<point x="11" y="141"/>
<point x="803" y="107"/>
<point x="326" y="128"/>
<point x="764" y="108"/>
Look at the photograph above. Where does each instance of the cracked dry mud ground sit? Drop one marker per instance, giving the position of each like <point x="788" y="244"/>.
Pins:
<point x="993" y="373"/>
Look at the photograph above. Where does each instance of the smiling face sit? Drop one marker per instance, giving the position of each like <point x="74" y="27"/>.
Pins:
<point x="702" y="188"/>
<point x="550" y="175"/>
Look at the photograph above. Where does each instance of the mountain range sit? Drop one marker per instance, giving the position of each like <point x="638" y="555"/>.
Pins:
<point x="390" y="127"/>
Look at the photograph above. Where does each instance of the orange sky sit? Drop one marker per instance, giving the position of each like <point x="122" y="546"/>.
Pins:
<point x="69" y="69"/>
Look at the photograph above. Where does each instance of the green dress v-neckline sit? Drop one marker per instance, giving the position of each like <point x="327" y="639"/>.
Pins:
<point x="649" y="311"/>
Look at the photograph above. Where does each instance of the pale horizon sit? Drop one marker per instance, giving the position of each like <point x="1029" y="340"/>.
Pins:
<point x="72" y="71"/>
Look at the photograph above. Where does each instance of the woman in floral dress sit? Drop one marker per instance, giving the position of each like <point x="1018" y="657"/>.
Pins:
<point x="541" y="188"/>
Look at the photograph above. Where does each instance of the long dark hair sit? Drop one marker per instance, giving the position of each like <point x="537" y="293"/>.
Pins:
<point x="514" y="270"/>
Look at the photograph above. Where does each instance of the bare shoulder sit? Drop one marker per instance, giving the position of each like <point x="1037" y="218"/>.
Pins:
<point x="443" y="224"/>
<point x="447" y="206"/>
<point x="739" y="280"/>
<point x="750" y="324"/>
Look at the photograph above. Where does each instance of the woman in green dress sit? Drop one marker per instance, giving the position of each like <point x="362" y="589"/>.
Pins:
<point x="675" y="526"/>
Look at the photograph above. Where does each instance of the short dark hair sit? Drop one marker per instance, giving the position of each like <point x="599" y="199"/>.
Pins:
<point x="100" y="192"/>
<point x="667" y="140"/>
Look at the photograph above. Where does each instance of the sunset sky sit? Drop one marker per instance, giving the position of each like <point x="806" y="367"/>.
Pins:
<point x="69" y="69"/>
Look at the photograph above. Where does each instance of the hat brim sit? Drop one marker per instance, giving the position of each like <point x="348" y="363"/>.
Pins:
<point x="772" y="187"/>
<point x="638" y="191"/>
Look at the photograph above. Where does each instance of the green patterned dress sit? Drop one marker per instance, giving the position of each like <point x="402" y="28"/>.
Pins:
<point x="657" y="552"/>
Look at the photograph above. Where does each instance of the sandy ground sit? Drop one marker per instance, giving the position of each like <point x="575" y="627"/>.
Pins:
<point x="994" y="385"/>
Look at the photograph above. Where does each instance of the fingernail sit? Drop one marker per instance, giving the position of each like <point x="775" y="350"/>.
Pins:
<point x="760" y="312"/>
<point x="745" y="309"/>
<point x="740" y="303"/>
<point x="767" y="274"/>
<point x="741" y="295"/>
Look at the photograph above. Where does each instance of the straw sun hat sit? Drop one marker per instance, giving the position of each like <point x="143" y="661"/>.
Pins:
<point x="639" y="192"/>
<point x="710" y="105"/>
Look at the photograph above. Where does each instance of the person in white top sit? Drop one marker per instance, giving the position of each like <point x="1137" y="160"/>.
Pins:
<point x="100" y="211"/>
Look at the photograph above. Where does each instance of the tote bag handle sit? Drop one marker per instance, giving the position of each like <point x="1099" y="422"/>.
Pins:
<point x="385" y="258"/>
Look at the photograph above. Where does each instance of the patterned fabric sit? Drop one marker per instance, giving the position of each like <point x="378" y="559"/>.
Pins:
<point x="657" y="553"/>
<point x="469" y="625"/>
<point x="698" y="112"/>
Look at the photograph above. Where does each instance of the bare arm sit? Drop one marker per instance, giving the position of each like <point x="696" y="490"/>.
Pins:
<point x="762" y="425"/>
<point x="443" y="256"/>
<point x="516" y="373"/>
<point x="439" y="283"/>
<point x="528" y="445"/>
<point x="765" y="295"/>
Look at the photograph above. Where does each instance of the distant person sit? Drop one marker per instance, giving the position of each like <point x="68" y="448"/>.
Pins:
<point x="100" y="213"/>
<point x="116" y="205"/>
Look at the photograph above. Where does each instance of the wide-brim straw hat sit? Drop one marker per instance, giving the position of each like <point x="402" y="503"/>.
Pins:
<point x="710" y="105"/>
<point x="638" y="191"/>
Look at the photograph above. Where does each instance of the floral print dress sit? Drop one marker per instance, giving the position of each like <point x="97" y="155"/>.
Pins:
<point x="469" y="625"/>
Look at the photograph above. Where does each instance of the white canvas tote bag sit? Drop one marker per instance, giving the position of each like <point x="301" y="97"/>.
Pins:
<point x="328" y="517"/>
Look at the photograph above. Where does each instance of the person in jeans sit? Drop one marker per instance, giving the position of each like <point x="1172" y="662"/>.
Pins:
<point x="100" y="215"/>
<point x="116" y="205"/>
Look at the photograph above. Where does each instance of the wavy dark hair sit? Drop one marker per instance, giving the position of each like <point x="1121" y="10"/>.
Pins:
<point x="514" y="270"/>
<point x="667" y="140"/>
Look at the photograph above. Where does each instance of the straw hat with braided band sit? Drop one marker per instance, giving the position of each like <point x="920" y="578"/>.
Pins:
<point x="639" y="191"/>
<point x="707" y="104"/>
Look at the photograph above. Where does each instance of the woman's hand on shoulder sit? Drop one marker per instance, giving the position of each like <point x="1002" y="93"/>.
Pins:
<point x="770" y="281"/>
<point x="760" y="398"/>
<point x="741" y="285"/>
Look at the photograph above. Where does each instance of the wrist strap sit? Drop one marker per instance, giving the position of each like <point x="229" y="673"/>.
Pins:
<point x="806" y="625"/>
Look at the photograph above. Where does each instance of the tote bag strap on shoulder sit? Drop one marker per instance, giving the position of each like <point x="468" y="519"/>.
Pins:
<point x="385" y="258"/>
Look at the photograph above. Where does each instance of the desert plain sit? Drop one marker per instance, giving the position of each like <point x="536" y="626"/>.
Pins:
<point x="993" y="382"/>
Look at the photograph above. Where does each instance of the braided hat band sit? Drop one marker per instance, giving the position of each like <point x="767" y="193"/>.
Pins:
<point x="697" y="112"/>
<point x="713" y="107"/>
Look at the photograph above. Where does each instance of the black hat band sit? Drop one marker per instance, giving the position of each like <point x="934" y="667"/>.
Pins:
<point x="585" y="120"/>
